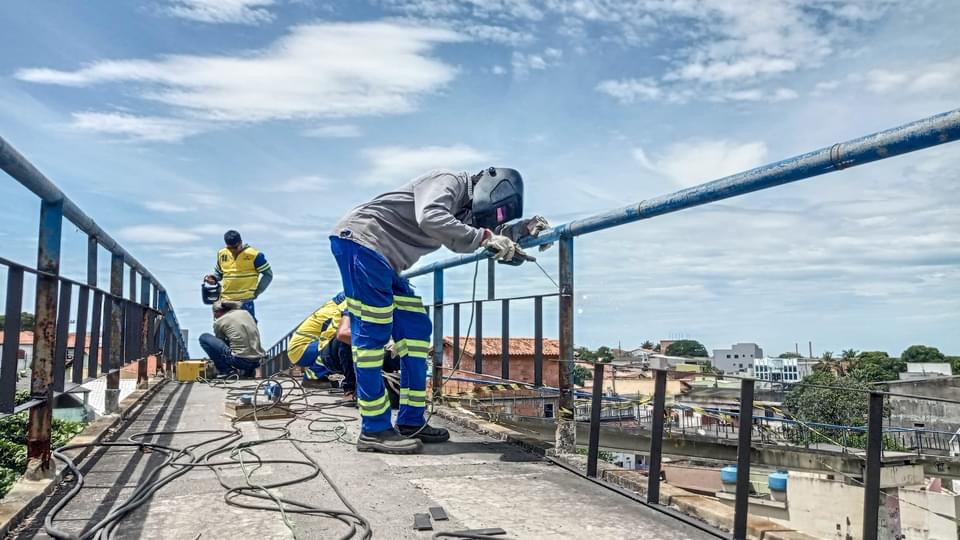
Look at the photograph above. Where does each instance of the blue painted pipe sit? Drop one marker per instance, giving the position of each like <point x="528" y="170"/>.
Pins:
<point x="925" y="133"/>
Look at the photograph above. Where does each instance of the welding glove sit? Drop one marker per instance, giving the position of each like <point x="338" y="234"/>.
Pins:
<point x="504" y="247"/>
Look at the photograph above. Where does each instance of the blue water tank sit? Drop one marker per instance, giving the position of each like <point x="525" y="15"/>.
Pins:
<point x="728" y="474"/>
<point x="777" y="481"/>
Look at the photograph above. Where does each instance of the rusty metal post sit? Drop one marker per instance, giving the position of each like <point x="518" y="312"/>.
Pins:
<point x="566" y="438"/>
<point x="115" y="333"/>
<point x="39" y="464"/>
<point x="437" y="383"/>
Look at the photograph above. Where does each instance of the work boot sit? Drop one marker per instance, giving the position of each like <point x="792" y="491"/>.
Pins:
<point x="388" y="442"/>
<point x="425" y="433"/>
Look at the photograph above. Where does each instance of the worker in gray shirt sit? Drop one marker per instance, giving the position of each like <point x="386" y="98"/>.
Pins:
<point x="234" y="345"/>
<point x="377" y="241"/>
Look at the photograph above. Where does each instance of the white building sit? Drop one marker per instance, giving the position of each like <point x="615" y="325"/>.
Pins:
<point x="785" y="370"/>
<point x="923" y="370"/>
<point x="738" y="358"/>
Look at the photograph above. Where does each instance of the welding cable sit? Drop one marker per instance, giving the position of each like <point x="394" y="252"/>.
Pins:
<point x="183" y="460"/>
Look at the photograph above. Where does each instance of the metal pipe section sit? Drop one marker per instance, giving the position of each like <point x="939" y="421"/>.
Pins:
<point x="596" y="404"/>
<point x="918" y="135"/>
<point x="745" y="431"/>
<point x="871" y="480"/>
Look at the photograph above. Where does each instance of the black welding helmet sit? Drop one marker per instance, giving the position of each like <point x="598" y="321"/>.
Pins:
<point x="497" y="197"/>
<point x="210" y="292"/>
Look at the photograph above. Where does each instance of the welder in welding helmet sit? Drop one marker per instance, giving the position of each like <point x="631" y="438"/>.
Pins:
<point x="496" y="196"/>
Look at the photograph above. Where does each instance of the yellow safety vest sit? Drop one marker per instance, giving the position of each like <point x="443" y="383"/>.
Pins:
<point x="240" y="275"/>
<point x="321" y="326"/>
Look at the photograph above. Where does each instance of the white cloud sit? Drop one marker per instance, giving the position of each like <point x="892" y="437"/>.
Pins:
<point x="936" y="78"/>
<point x="696" y="161"/>
<point x="498" y="70"/>
<point x="167" y="208"/>
<point x="882" y="81"/>
<point x="222" y="11"/>
<point x="395" y="164"/>
<point x="143" y="128"/>
<point x="523" y="63"/>
<point x="315" y="71"/>
<point x="157" y="234"/>
<point x="334" y="131"/>
<point x="303" y="184"/>
<point x="631" y="90"/>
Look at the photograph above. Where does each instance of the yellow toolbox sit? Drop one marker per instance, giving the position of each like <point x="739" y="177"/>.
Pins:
<point x="190" y="370"/>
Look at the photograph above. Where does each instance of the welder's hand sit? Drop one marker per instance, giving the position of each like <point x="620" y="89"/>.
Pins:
<point x="536" y="224"/>
<point x="504" y="247"/>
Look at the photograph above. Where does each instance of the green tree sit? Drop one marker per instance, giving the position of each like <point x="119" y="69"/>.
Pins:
<point x="849" y="354"/>
<point x="581" y="374"/>
<point x="27" y="321"/>
<point x="922" y="353"/>
<point x="954" y="364"/>
<point x="656" y="348"/>
<point x="876" y="366"/>
<point x="840" y="407"/>
<point x="789" y="355"/>
<point x="604" y="353"/>
<point x="648" y="345"/>
<point x="827" y="356"/>
<point x="584" y="354"/>
<point x="687" y="347"/>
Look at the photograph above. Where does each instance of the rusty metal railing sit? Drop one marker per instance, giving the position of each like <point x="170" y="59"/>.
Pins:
<point x="121" y="329"/>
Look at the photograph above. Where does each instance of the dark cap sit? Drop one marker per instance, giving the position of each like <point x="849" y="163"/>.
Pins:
<point x="232" y="238"/>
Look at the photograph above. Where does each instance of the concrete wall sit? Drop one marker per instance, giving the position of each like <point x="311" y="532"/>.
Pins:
<point x="832" y="509"/>
<point x="906" y="412"/>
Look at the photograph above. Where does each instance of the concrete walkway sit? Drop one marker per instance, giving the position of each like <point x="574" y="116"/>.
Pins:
<point x="480" y="482"/>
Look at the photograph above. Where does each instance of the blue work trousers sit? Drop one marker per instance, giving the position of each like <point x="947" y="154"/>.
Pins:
<point x="219" y="351"/>
<point x="382" y="304"/>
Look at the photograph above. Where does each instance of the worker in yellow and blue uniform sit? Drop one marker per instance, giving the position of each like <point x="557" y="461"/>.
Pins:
<point x="319" y="346"/>
<point x="377" y="241"/>
<point x="242" y="271"/>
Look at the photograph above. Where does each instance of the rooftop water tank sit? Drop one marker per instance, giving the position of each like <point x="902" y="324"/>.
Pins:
<point x="728" y="474"/>
<point x="777" y="481"/>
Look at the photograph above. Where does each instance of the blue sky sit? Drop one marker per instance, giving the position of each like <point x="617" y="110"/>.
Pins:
<point x="170" y="121"/>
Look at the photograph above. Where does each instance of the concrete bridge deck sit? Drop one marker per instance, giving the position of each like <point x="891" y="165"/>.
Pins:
<point x="481" y="482"/>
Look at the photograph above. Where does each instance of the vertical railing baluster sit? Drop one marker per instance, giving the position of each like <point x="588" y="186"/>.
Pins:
<point x="871" y="480"/>
<point x="656" y="435"/>
<point x="437" y="382"/>
<point x="114" y="332"/>
<point x="80" y="335"/>
<point x="455" y="360"/>
<point x="596" y="404"/>
<point x="538" y="341"/>
<point x="44" y="341"/>
<point x="505" y="339"/>
<point x="566" y="437"/>
<point x="478" y="339"/>
<point x="11" y="341"/>
<point x="745" y="432"/>
<point x="63" y="336"/>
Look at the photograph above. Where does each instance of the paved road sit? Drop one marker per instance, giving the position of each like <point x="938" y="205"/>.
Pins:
<point x="479" y="481"/>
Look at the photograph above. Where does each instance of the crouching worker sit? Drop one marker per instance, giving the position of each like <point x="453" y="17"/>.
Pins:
<point x="374" y="244"/>
<point x="234" y="345"/>
<point x="321" y="345"/>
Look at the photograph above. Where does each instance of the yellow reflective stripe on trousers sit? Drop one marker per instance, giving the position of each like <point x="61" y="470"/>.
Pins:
<point x="416" y="398"/>
<point x="409" y="303"/>
<point x="415" y="348"/>
<point x="368" y="313"/>
<point x="373" y="407"/>
<point x="368" y="358"/>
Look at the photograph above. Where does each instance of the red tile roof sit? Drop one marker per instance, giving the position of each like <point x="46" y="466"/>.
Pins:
<point x="518" y="346"/>
<point x="26" y="338"/>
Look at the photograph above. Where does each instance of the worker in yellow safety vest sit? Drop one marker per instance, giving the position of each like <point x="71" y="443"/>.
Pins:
<point x="242" y="271"/>
<point x="321" y="346"/>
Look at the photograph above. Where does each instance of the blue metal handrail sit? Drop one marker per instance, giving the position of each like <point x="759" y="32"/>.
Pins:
<point x="925" y="133"/>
